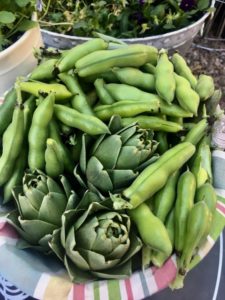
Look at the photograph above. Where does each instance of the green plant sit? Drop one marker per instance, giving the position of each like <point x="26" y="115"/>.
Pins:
<point x="120" y="18"/>
<point x="15" y="18"/>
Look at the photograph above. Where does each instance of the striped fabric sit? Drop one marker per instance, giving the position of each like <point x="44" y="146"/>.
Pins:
<point x="44" y="278"/>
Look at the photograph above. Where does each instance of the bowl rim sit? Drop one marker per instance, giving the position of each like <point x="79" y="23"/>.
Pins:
<point x="148" y="38"/>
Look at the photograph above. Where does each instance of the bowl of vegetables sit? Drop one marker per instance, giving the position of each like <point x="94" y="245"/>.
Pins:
<point x="108" y="178"/>
<point x="164" y="24"/>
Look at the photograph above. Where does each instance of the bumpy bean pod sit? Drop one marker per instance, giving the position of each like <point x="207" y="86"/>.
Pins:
<point x="159" y="258"/>
<point x="103" y="60"/>
<point x="36" y="88"/>
<point x="38" y="133"/>
<point x="68" y="61"/>
<point x="89" y="124"/>
<point x="6" y="110"/>
<point x="174" y="110"/>
<point x="154" y="123"/>
<point x="152" y="231"/>
<point x="186" y="188"/>
<point x="161" y="138"/>
<point x="135" y="77"/>
<point x="120" y="92"/>
<point x="53" y="159"/>
<point x="183" y="70"/>
<point x="205" y="87"/>
<point x="11" y="144"/>
<point x="165" y="198"/>
<point x="213" y="102"/>
<point x="207" y="194"/>
<point x="149" y="68"/>
<point x="197" y="132"/>
<point x="186" y="96"/>
<point x="79" y="100"/>
<point x="154" y="177"/>
<point x="64" y="152"/>
<point x="103" y="95"/>
<point x="126" y="108"/>
<point x="21" y="161"/>
<point x="197" y="222"/>
<point x="164" y="78"/>
<point x="44" y="71"/>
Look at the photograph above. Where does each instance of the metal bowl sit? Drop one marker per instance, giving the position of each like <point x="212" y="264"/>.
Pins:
<point x="176" y="40"/>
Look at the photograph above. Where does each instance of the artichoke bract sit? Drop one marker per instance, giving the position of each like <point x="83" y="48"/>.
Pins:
<point x="115" y="159"/>
<point x="41" y="201"/>
<point x="96" y="242"/>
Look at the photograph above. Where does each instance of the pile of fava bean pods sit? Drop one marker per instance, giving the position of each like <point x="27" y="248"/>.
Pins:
<point x="45" y="115"/>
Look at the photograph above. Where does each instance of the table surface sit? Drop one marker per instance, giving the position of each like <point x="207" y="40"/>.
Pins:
<point x="204" y="282"/>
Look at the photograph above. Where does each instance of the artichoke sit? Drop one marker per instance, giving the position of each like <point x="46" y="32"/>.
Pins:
<point x="96" y="242"/>
<point x="115" y="160"/>
<point x="41" y="201"/>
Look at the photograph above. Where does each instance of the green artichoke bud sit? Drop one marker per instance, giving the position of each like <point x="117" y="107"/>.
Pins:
<point x="115" y="159"/>
<point x="41" y="201"/>
<point x="96" y="242"/>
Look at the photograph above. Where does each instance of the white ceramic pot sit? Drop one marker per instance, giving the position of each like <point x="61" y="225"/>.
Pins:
<point x="18" y="59"/>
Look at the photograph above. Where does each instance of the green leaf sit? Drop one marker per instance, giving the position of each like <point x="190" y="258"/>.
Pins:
<point x="22" y="3"/>
<point x="26" y="25"/>
<point x="203" y="4"/>
<point x="6" y="17"/>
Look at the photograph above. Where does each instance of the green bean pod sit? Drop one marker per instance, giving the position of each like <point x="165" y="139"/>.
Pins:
<point x="92" y="98"/>
<point x="45" y="71"/>
<point x="213" y="102"/>
<point x="68" y="61"/>
<point x="205" y="87"/>
<point x="207" y="194"/>
<point x="154" y="123"/>
<point x="201" y="164"/>
<point x="174" y="110"/>
<point x="165" y="198"/>
<point x="183" y="70"/>
<point x="186" y="96"/>
<point x="149" y="68"/>
<point x="197" y="222"/>
<point x="89" y="124"/>
<point x="64" y="152"/>
<point x="53" y="159"/>
<point x="159" y="258"/>
<point x="103" y="95"/>
<point x="135" y="77"/>
<point x="6" y="110"/>
<point x="164" y="78"/>
<point x="161" y="138"/>
<point x="11" y="144"/>
<point x="152" y="231"/>
<point x="103" y="60"/>
<point x="16" y="176"/>
<point x="38" y="133"/>
<point x="126" y="108"/>
<point x="21" y="161"/>
<point x="186" y="188"/>
<point x="155" y="176"/>
<point x="120" y="92"/>
<point x="36" y="88"/>
<point x="197" y="132"/>
<point x="79" y="100"/>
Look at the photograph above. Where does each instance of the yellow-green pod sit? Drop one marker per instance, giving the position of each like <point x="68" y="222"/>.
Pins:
<point x="186" y="188"/>
<point x="183" y="69"/>
<point x="205" y="87"/>
<point x="151" y="229"/>
<point x="164" y="78"/>
<point x="186" y="96"/>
